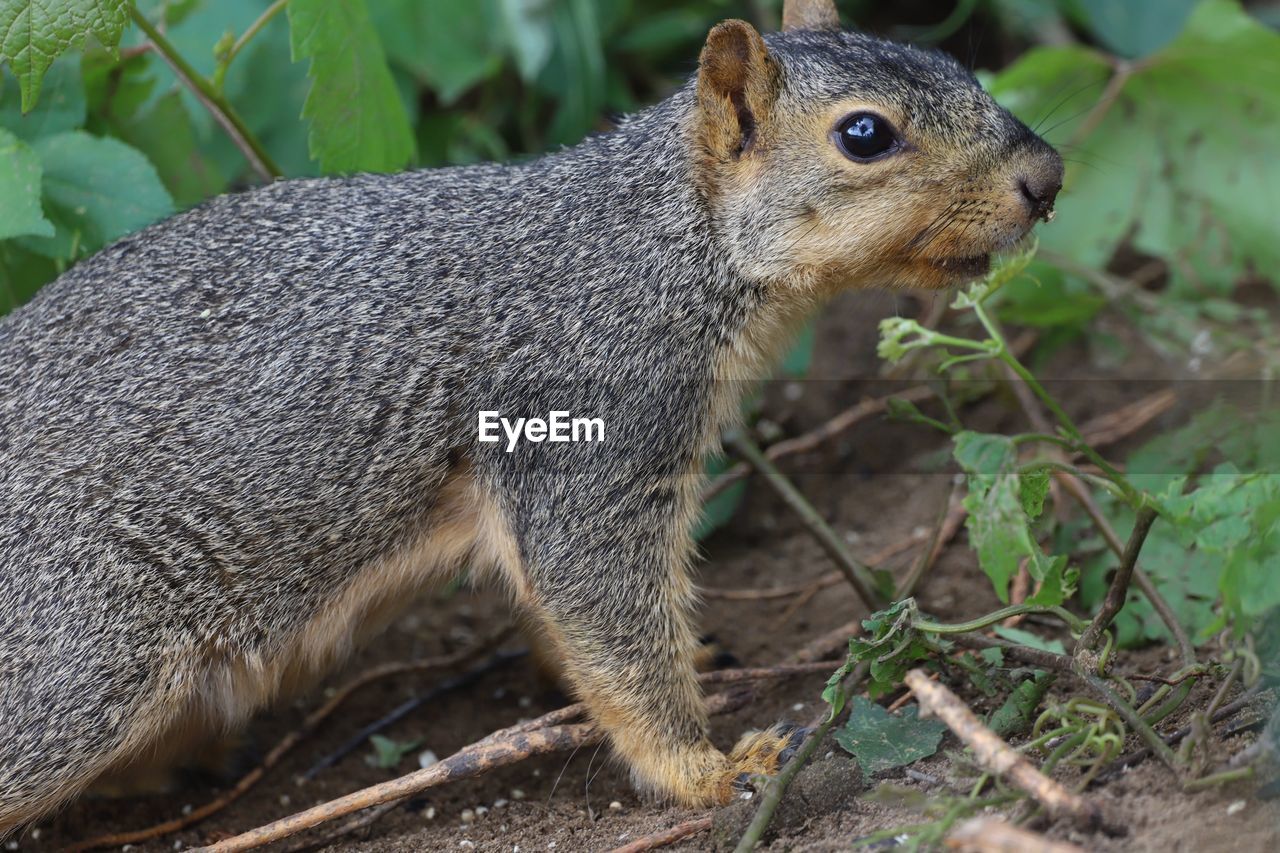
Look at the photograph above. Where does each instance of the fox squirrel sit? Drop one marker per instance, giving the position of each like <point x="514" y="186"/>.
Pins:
<point x="235" y="444"/>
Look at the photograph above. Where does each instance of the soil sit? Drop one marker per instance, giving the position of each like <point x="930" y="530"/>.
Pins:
<point x="876" y="485"/>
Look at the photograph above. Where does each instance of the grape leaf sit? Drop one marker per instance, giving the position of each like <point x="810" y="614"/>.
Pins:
<point x="882" y="741"/>
<point x="33" y="33"/>
<point x="95" y="190"/>
<point x="20" y="188"/>
<point x="358" y="122"/>
<point x="1154" y="164"/>
<point x="61" y="107"/>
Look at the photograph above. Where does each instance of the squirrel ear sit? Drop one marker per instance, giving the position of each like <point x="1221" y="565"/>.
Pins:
<point x="810" y="15"/>
<point x="737" y="83"/>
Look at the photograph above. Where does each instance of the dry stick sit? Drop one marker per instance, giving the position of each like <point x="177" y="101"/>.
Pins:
<point x="997" y="757"/>
<point x="679" y="832"/>
<point x="826" y="580"/>
<point x="502" y="748"/>
<point x="841" y="423"/>
<point x="858" y="575"/>
<point x="986" y="834"/>
<point x="291" y="740"/>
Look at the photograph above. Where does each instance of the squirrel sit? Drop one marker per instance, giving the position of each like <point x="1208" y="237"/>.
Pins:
<point x="236" y="444"/>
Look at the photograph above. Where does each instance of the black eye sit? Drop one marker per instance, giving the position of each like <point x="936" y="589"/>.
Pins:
<point x="865" y="136"/>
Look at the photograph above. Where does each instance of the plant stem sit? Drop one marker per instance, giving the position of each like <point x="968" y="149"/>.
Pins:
<point x="778" y="785"/>
<point x="225" y="61"/>
<point x="217" y="105"/>
<point x="1222" y="778"/>
<point x="997" y="616"/>
<point x="858" y="575"/>
<point x="1064" y="420"/>
<point x="1135" y="722"/>
<point x="1119" y="588"/>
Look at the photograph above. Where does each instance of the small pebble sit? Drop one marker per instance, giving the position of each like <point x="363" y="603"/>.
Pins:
<point x="467" y="815"/>
<point x="178" y="845"/>
<point x="746" y="795"/>
<point x="1236" y="807"/>
<point x="426" y="758"/>
<point x="524" y="702"/>
<point x="551" y="845"/>
<point x="11" y="845"/>
<point x="284" y="799"/>
<point x="35" y="834"/>
<point x="188" y="808"/>
<point x="615" y="806"/>
<point x="500" y="693"/>
<point x="793" y="391"/>
<point x="499" y="803"/>
<point x="481" y="811"/>
<point x="517" y="794"/>
<point x="430" y="813"/>
<point x="466" y="842"/>
<point x="623" y="836"/>
<point x="799" y="706"/>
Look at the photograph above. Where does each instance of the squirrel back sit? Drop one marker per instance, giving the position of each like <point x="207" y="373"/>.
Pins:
<point x="234" y="443"/>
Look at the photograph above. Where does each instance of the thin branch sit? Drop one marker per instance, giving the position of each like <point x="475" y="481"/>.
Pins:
<point x="858" y="575"/>
<point x="217" y="105"/>
<point x="996" y="756"/>
<point x="991" y="833"/>
<point x="679" y="832"/>
<point x="291" y="740"/>
<point x="507" y="746"/>
<point x="1148" y="588"/>
<point x="1119" y="589"/>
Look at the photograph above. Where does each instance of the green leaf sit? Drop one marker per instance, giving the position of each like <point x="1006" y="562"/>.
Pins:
<point x="984" y="453"/>
<point x="1135" y="27"/>
<point x="1057" y="581"/>
<point x="388" y="753"/>
<point x="1033" y="487"/>
<point x="166" y="135"/>
<point x="95" y="191"/>
<point x="882" y="741"/>
<point x="1016" y="715"/>
<point x="20" y="188"/>
<point x="61" y="107"/>
<point x="527" y="25"/>
<point x="1026" y="638"/>
<point x="1153" y="173"/>
<point x="22" y="273"/>
<point x="36" y="32"/>
<point x="450" y="46"/>
<point x="358" y="122"/>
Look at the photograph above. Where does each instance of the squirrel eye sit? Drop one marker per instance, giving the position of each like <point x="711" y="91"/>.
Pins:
<point x="865" y="136"/>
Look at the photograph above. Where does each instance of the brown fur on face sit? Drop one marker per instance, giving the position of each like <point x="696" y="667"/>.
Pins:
<point x="927" y="215"/>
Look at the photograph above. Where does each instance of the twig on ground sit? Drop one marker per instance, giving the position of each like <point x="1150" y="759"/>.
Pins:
<point x="499" y="749"/>
<point x="814" y="439"/>
<point x="996" y="756"/>
<point x="679" y="832"/>
<point x="1133" y="759"/>
<point x="449" y="685"/>
<point x="990" y="834"/>
<point x="829" y="579"/>
<point x="858" y="575"/>
<point x="291" y="740"/>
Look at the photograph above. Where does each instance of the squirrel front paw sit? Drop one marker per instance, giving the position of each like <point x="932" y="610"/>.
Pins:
<point x="763" y="754"/>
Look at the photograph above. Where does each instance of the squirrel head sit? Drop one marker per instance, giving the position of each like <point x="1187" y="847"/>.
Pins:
<point x="832" y="159"/>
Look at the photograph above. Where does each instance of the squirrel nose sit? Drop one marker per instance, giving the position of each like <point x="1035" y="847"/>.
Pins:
<point x="1039" y="190"/>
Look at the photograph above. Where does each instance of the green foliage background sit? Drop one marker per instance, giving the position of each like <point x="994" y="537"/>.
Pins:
<point x="1168" y="112"/>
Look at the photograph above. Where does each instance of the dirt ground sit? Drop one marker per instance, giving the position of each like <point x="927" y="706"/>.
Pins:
<point x="876" y="485"/>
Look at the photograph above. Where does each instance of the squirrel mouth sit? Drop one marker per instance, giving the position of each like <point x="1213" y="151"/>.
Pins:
<point x="974" y="265"/>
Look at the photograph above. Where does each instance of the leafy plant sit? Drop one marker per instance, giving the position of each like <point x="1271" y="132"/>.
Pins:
<point x="883" y="741"/>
